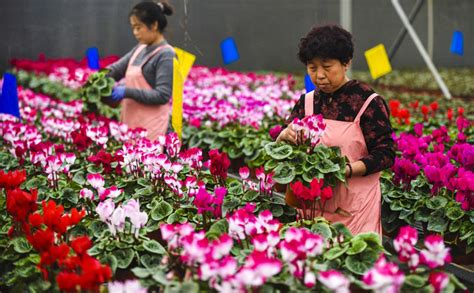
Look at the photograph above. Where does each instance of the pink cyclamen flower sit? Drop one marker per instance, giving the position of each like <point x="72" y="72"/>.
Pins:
<point x="244" y="172"/>
<point x="96" y="180"/>
<point x="384" y="277"/>
<point x="129" y="286"/>
<point x="436" y="254"/>
<point x="275" y="131"/>
<point x="439" y="281"/>
<point x="86" y="193"/>
<point x="405" y="241"/>
<point x="105" y="210"/>
<point x="309" y="279"/>
<point x="335" y="281"/>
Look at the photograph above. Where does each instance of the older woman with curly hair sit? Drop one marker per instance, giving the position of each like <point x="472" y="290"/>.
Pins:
<point x="357" y="121"/>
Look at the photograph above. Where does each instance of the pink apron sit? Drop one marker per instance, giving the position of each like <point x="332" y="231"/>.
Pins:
<point x="358" y="206"/>
<point x="154" y="118"/>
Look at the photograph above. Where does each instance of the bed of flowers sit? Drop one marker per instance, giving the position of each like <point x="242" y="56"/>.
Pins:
<point x="432" y="179"/>
<point x="169" y="215"/>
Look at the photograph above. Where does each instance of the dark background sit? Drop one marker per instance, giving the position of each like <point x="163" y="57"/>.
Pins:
<point x="266" y="31"/>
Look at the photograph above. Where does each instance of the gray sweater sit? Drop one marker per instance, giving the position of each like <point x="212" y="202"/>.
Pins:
<point x="158" y="72"/>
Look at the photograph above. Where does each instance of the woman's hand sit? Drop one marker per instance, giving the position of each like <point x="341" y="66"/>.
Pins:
<point x="118" y="93"/>
<point x="288" y="135"/>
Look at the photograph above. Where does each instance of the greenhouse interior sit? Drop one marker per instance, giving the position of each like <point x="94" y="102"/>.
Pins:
<point x="237" y="146"/>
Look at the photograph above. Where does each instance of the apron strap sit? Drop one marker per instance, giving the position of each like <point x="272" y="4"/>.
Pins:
<point x="135" y="54"/>
<point x="364" y="107"/>
<point x="154" y="53"/>
<point x="309" y="104"/>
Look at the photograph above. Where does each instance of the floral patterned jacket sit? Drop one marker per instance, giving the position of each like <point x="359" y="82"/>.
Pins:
<point x="343" y="105"/>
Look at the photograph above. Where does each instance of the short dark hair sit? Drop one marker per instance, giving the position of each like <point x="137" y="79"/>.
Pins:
<point x="326" y="42"/>
<point x="151" y="12"/>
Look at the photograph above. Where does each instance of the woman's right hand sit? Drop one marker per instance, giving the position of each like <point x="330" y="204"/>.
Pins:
<point x="288" y="135"/>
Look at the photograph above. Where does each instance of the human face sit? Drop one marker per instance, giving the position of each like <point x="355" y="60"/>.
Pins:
<point x="142" y="33"/>
<point x="327" y="74"/>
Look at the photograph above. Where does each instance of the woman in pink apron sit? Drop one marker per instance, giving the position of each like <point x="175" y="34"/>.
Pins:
<point x="148" y="72"/>
<point x="357" y="121"/>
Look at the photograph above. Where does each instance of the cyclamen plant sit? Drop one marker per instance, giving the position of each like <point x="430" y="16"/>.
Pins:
<point x="63" y="260"/>
<point x="115" y="217"/>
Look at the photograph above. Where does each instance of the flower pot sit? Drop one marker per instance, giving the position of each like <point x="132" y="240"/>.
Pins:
<point x="290" y="198"/>
<point x="280" y="187"/>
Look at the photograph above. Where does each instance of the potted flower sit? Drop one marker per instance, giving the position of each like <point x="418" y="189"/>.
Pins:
<point x="96" y="92"/>
<point x="306" y="161"/>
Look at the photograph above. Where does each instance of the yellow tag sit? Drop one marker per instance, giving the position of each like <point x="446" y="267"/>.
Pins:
<point x="177" y="111"/>
<point x="378" y="62"/>
<point x="186" y="61"/>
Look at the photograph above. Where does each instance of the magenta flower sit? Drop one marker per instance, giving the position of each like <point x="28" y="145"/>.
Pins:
<point x="436" y="253"/>
<point x="244" y="172"/>
<point x="275" y="131"/>
<point x="405" y="171"/>
<point x="418" y="128"/>
<point x="439" y="281"/>
<point x="384" y="277"/>
<point x="404" y="244"/>
<point x="334" y="281"/>
<point x="173" y="144"/>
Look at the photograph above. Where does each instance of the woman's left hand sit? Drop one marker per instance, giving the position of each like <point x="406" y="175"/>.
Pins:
<point x="118" y="93"/>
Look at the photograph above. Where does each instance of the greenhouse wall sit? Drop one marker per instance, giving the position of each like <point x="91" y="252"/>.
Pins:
<point x="266" y="31"/>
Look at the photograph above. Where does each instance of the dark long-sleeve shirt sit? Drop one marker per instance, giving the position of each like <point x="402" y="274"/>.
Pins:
<point x="344" y="105"/>
<point x="158" y="72"/>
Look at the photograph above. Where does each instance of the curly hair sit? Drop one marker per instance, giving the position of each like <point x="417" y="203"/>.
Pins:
<point x="326" y="42"/>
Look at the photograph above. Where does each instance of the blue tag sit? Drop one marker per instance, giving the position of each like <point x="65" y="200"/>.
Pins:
<point x="457" y="43"/>
<point x="93" y="58"/>
<point x="229" y="51"/>
<point x="308" y="84"/>
<point x="9" y="97"/>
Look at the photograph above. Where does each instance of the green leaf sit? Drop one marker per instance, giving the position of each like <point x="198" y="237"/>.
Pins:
<point x="94" y="250"/>
<point x="235" y="187"/>
<point x="220" y="227"/>
<point x="143" y="182"/>
<point x="454" y="213"/>
<point x="454" y="226"/>
<point x="357" y="246"/>
<point x="270" y="165"/>
<point x="322" y="229"/>
<point x="360" y="263"/>
<point x="277" y="210"/>
<point x="327" y="166"/>
<point x="250" y="195"/>
<point x="369" y="237"/>
<point x="278" y="151"/>
<point x="437" y="223"/>
<point x="150" y="261"/>
<point x="21" y="245"/>
<point x="142" y="272"/>
<point x="422" y="215"/>
<point x="111" y="260"/>
<point x="79" y="178"/>
<point x="154" y="247"/>
<point x="436" y="202"/>
<point x="161" y="211"/>
<point x="284" y="173"/>
<point x="160" y="277"/>
<point x="124" y="257"/>
<point x="416" y="281"/>
<point x="341" y="229"/>
<point x="335" y="252"/>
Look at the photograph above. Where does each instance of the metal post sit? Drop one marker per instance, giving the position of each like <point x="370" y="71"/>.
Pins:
<point x="421" y="49"/>
<point x="401" y="35"/>
<point x="430" y="29"/>
<point x="345" y="14"/>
